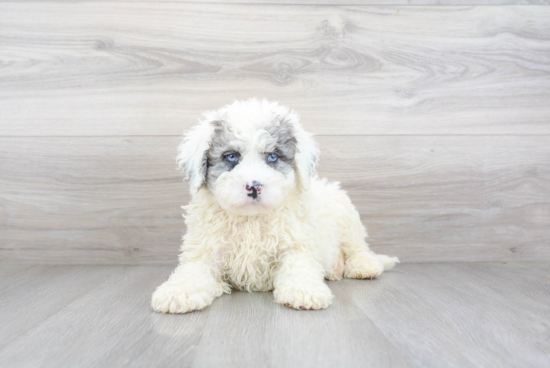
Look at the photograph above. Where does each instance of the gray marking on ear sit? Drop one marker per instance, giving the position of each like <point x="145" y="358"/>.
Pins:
<point x="204" y="166"/>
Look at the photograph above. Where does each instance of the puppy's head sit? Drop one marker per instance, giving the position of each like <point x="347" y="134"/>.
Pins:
<point x="250" y="154"/>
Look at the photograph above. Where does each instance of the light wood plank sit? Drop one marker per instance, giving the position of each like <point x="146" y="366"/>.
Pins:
<point x="7" y="269"/>
<point x="425" y="315"/>
<point x="539" y="268"/>
<point x="463" y="315"/>
<point x="91" y="200"/>
<point x="332" y="2"/>
<point x="111" y="325"/>
<point x="117" y="200"/>
<point x="449" y="198"/>
<point x="34" y="294"/>
<point x="245" y="329"/>
<point x="131" y="68"/>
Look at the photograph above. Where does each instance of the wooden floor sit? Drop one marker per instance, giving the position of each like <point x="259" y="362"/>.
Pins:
<point x="421" y="315"/>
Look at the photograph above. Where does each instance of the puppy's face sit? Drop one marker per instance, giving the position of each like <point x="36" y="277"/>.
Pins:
<point x="251" y="170"/>
<point x="251" y="155"/>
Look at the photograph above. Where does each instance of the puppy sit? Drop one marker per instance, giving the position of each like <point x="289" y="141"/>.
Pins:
<point x="259" y="218"/>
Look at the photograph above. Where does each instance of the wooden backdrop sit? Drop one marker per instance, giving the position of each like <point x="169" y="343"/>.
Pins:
<point x="435" y="118"/>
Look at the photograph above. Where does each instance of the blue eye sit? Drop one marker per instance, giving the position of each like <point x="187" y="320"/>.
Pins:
<point x="232" y="157"/>
<point x="272" y="157"/>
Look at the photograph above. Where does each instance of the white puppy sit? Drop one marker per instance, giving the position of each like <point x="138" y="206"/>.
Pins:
<point x="259" y="218"/>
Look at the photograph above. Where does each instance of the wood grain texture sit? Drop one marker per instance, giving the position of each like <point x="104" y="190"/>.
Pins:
<point x="34" y="294"/>
<point x="468" y="315"/>
<point x="328" y="2"/>
<point x="116" y="200"/>
<point x="110" y="325"/>
<point x="8" y="269"/>
<point x="132" y="68"/>
<point x="418" y="315"/>
<point x="341" y="336"/>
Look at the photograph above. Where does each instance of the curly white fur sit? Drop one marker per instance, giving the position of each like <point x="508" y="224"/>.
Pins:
<point x="287" y="233"/>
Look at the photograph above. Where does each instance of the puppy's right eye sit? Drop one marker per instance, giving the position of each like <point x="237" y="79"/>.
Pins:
<point x="232" y="158"/>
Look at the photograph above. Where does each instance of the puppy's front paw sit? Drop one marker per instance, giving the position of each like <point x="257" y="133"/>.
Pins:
<point x="307" y="295"/>
<point x="363" y="265"/>
<point x="177" y="298"/>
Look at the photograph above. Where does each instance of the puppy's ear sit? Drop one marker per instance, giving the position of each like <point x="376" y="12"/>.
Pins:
<point x="192" y="154"/>
<point x="307" y="153"/>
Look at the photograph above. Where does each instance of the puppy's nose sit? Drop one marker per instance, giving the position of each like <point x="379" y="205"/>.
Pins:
<point x="254" y="190"/>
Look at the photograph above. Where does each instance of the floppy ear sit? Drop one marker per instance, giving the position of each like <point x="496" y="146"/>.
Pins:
<point x="192" y="154"/>
<point x="307" y="153"/>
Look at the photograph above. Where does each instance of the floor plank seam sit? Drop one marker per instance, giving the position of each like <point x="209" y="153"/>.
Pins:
<point x="413" y="359"/>
<point x="66" y="305"/>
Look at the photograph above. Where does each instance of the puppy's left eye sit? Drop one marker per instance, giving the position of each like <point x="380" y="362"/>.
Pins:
<point x="272" y="157"/>
<point x="232" y="157"/>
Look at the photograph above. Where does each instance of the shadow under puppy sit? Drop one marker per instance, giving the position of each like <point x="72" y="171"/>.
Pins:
<point x="259" y="218"/>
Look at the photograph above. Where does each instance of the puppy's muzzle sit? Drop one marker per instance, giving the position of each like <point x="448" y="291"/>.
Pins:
<point x="254" y="190"/>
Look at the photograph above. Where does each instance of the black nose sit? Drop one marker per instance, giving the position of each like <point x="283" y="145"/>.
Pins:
<point x="254" y="190"/>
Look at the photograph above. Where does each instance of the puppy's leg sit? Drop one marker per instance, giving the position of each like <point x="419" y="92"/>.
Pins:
<point x="192" y="286"/>
<point x="299" y="283"/>
<point x="337" y="271"/>
<point x="361" y="262"/>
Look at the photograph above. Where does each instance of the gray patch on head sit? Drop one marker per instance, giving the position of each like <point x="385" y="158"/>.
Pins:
<point x="224" y="141"/>
<point x="220" y="146"/>
<point x="283" y="143"/>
